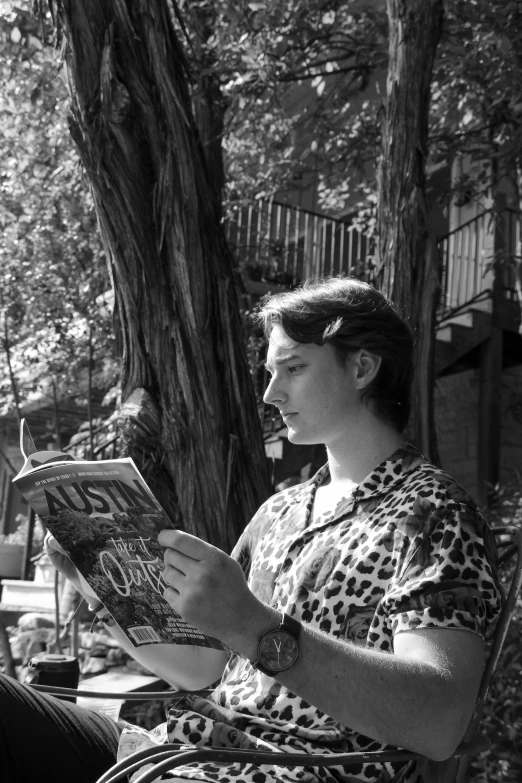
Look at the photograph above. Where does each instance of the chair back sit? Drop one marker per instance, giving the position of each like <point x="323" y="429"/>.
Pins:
<point x="509" y="544"/>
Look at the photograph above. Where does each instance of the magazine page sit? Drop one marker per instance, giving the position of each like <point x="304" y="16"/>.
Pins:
<point x="107" y="520"/>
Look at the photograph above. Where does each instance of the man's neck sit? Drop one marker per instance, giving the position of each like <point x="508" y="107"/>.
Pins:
<point x="351" y="460"/>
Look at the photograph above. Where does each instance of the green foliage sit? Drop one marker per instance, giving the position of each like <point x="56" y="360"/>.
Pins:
<point x="476" y="101"/>
<point x="288" y="71"/>
<point x="305" y="84"/>
<point x="53" y="268"/>
<point x="299" y="65"/>
<point x="502" y="722"/>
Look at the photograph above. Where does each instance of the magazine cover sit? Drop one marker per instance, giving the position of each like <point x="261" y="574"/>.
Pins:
<point x="107" y="520"/>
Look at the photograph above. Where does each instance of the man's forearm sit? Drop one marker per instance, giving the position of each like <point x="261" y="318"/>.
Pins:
<point x="391" y="698"/>
<point x="186" y="667"/>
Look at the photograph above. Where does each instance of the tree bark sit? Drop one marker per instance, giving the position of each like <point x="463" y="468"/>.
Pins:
<point x="188" y="398"/>
<point x="208" y="103"/>
<point x="408" y="261"/>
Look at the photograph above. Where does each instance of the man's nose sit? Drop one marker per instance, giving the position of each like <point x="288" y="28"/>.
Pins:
<point x="274" y="394"/>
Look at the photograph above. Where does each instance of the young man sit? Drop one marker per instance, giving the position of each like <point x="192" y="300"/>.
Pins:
<point x="356" y="604"/>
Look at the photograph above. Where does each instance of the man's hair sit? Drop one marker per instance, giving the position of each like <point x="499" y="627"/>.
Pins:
<point x="350" y="315"/>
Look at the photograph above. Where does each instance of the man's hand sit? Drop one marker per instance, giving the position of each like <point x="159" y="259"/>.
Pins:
<point x="208" y="589"/>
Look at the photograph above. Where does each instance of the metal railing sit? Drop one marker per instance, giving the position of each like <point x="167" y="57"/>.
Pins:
<point x="469" y="254"/>
<point x="287" y="244"/>
<point x="105" y="442"/>
<point x="512" y="255"/>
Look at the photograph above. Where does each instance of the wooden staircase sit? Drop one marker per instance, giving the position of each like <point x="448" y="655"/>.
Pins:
<point x="460" y="335"/>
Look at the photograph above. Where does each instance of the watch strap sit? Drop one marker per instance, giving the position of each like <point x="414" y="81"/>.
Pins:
<point x="291" y="625"/>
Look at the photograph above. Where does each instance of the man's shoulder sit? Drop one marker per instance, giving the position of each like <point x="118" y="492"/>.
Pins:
<point x="437" y="486"/>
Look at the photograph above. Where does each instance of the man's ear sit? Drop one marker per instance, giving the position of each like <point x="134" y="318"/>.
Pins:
<point x="367" y="366"/>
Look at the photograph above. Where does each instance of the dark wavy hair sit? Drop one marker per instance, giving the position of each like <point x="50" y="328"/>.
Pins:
<point x="350" y="315"/>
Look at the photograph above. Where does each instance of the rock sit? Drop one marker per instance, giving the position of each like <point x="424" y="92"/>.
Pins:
<point x="94" y="666"/>
<point x="34" y="641"/>
<point x="33" y="620"/>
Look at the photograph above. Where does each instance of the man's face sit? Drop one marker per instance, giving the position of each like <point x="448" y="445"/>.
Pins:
<point x="318" y="397"/>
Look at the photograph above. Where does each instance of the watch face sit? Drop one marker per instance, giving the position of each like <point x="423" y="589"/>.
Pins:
<point x="278" y="650"/>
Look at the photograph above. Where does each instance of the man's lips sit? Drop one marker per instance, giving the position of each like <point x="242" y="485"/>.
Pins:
<point x="287" y="415"/>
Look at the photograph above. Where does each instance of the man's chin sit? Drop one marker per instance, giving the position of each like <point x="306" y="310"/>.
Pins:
<point x="299" y="438"/>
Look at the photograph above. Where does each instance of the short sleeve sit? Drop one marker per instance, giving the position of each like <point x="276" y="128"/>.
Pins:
<point x="242" y="551"/>
<point x="449" y="578"/>
<point x="246" y="544"/>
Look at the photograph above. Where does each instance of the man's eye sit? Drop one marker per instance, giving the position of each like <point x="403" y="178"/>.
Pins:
<point x="295" y="368"/>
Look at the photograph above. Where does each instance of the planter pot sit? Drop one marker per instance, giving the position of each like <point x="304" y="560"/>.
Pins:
<point x="11" y="560"/>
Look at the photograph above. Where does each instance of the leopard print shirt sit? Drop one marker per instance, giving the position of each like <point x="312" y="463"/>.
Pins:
<point x="407" y="549"/>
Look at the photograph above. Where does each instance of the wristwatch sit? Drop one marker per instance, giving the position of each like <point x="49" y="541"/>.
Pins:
<point x="277" y="650"/>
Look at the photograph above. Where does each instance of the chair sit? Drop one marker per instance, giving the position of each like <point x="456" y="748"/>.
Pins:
<point x="453" y="770"/>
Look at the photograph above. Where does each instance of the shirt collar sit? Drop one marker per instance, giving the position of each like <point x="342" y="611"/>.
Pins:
<point x="384" y="477"/>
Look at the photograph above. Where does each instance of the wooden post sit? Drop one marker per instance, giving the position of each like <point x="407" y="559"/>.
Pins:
<point x="490" y="373"/>
<point x="74" y="647"/>
<point x="489" y="415"/>
<point x="26" y="564"/>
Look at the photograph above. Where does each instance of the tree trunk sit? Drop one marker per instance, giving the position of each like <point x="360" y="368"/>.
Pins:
<point x="408" y="261"/>
<point x="189" y="415"/>
<point x="208" y="103"/>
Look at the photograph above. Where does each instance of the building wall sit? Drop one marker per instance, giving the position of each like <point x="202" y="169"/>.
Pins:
<point x="511" y="436"/>
<point x="456" y="415"/>
<point x="456" y="418"/>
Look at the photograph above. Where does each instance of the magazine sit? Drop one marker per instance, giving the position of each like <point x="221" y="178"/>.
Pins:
<point x="107" y="520"/>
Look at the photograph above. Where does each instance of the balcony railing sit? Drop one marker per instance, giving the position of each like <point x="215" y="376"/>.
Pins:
<point x="286" y="244"/>
<point x="468" y="258"/>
